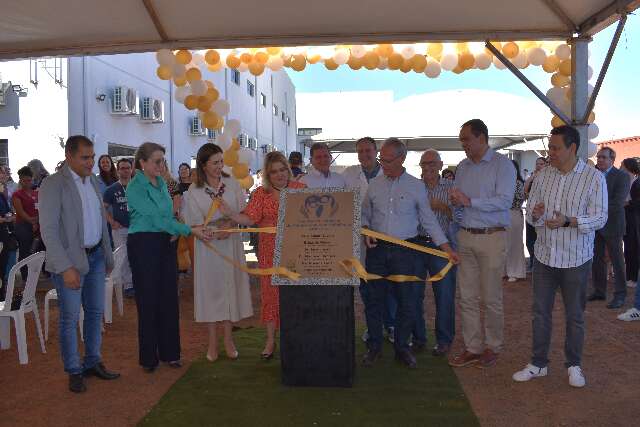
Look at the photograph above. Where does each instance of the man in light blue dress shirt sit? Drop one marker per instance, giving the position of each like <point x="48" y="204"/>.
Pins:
<point x="396" y="203"/>
<point x="485" y="184"/>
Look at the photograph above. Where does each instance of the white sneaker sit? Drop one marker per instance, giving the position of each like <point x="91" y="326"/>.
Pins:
<point x="631" y="284"/>
<point x="630" y="315"/>
<point x="512" y="279"/>
<point x="529" y="372"/>
<point x="365" y="335"/>
<point x="576" y="377"/>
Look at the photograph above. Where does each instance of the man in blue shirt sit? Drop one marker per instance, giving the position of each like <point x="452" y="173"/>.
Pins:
<point x="115" y="202"/>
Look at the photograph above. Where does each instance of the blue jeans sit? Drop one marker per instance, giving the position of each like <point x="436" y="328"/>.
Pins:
<point x="387" y="259"/>
<point x="390" y="304"/>
<point x="444" y="293"/>
<point x="91" y="296"/>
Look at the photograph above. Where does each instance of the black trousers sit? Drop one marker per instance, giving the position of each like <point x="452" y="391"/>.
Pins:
<point x="631" y="244"/>
<point x="152" y="257"/>
<point x="24" y="235"/>
<point x="599" y="268"/>
<point x="531" y="238"/>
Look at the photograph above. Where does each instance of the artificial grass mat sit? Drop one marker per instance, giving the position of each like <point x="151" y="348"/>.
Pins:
<point x="248" y="392"/>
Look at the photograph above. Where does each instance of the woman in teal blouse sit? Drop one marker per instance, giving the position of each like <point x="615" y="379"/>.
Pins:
<point x="153" y="259"/>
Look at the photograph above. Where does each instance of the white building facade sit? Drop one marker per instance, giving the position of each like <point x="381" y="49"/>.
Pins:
<point x="80" y="100"/>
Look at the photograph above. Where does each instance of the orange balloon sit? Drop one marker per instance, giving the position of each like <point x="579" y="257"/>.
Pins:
<point x="330" y="64"/>
<point x="559" y="80"/>
<point x="193" y="74"/>
<point x="204" y="104"/>
<point x="246" y="182"/>
<point x="230" y="158"/>
<point x="565" y="67"/>
<point x="395" y="61"/>
<point x="551" y="64"/>
<point x="233" y="61"/>
<point x="210" y="120"/>
<point x="261" y="57"/>
<point x="592" y="117"/>
<point x="556" y="122"/>
<point x="212" y="57"/>
<point x="256" y="68"/>
<point x="355" y="63"/>
<point x="466" y="60"/>
<point x="180" y="81"/>
<point x="510" y="50"/>
<point x="235" y="145"/>
<point x="191" y="102"/>
<point x="458" y="69"/>
<point x="314" y="59"/>
<point x="406" y="66"/>
<point x="240" y="170"/>
<point x="419" y="63"/>
<point x="215" y="67"/>
<point x="246" y="57"/>
<point x="384" y="50"/>
<point x="371" y="60"/>
<point x="183" y="57"/>
<point x="220" y="123"/>
<point x="164" y="72"/>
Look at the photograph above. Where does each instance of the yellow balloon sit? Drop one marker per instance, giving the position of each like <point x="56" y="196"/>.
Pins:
<point x="191" y="102"/>
<point x="510" y="50"/>
<point x="193" y="74"/>
<point x="164" y="72"/>
<point x="212" y="94"/>
<point x="235" y="145"/>
<point x="314" y="59"/>
<point x="183" y="57"/>
<point x="230" y="158"/>
<point x="212" y="57"/>
<point x="434" y="50"/>
<point x="384" y="50"/>
<point x="559" y="80"/>
<point x="240" y="170"/>
<point x="462" y="47"/>
<point x="204" y="104"/>
<point x="246" y="57"/>
<point x="419" y="63"/>
<point x="556" y="122"/>
<point x="246" y="182"/>
<point x="180" y="81"/>
<point x="395" y="61"/>
<point x="466" y="60"/>
<point x="551" y="64"/>
<point x="274" y="50"/>
<point x="565" y="67"/>
<point x="330" y="64"/>
<point x="233" y="61"/>
<point x="371" y="60"/>
<point x="210" y="120"/>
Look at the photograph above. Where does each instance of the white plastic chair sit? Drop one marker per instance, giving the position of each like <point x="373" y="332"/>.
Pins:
<point x="29" y="304"/>
<point x="111" y="286"/>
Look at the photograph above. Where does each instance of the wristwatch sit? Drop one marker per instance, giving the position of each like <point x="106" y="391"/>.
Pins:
<point x="567" y="222"/>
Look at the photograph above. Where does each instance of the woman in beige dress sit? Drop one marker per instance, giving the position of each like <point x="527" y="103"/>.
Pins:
<point x="221" y="291"/>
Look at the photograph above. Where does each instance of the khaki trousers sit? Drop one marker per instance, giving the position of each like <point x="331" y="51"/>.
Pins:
<point x="479" y="279"/>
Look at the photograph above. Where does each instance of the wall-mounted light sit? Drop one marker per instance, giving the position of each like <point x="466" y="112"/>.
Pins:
<point x="20" y="91"/>
<point x="101" y="97"/>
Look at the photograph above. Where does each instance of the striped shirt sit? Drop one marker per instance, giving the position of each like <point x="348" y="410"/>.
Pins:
<point x="580" y="193"/>
<point x="441" y="192"/>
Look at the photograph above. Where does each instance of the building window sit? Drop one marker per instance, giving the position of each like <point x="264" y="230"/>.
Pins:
<point x="235" y="76"/>
<point x="4" y="151"/>
<point x="275" y="110"/>
<point x="288" y="121"/>
<point x="283" y="115"/>
<point x="251" y="89"/>
<point x="263" y="99"/>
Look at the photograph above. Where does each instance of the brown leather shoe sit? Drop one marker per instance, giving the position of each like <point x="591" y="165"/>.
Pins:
<point x="370" y="357"/>
<point x="487" y="359"/>
<point x="464" y="359"/>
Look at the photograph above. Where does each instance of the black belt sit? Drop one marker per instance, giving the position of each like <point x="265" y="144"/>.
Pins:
<point x="91" y="250"/>
<point x="486" y="230"/>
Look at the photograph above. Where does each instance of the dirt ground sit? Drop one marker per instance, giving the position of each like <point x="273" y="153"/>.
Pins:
<point x="36" y="394"/>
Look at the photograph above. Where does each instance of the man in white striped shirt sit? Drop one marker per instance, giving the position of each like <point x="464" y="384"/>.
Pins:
<point x="567" y="204"/>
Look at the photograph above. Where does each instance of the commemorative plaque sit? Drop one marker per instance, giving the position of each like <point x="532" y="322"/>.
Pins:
<point x="317" y="228"/>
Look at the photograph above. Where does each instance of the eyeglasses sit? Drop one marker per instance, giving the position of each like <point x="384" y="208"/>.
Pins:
<point x="433" y="163"/>
<point x="386" y="162"/>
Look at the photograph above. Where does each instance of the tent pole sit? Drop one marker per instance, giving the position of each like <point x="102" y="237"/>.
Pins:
<point x="579" y="90"/>
<point x="605" y="67"/>
<point x="541" y="96"/>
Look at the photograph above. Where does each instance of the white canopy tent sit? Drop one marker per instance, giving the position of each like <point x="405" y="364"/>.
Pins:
<point x="31" y="28"/>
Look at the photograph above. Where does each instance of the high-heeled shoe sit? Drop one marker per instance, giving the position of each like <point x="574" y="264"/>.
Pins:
<point x="268" y="356"/>
<point x="211" y="358"/>
<point x="233" y="355"/>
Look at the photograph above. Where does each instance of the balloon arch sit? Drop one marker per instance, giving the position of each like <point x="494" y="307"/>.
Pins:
<point x="184" y="69"/>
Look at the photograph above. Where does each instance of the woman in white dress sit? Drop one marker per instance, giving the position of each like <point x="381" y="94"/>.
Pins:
<point x="515" y="266"/>
<point x="221" y="291"/>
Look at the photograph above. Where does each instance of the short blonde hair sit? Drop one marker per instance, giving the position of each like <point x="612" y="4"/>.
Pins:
<point x="269" y="160"/>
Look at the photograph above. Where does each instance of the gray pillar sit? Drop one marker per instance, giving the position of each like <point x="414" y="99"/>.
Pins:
<point x="579" y="89"/>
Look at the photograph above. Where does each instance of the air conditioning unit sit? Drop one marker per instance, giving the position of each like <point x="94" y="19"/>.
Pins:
<point x="151" y="110"/>
<point x="124" y="101"/>
<point x="211" y="134"/>
<point x="268" y="148"/>
<point x="253" y="143"/>
<point x="243" y="140"/>
<point x="195" y="128"/>
<point x="4" y="87"/>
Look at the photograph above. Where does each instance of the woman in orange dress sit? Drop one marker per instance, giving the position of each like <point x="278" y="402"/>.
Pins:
<point x="262" y="210"/>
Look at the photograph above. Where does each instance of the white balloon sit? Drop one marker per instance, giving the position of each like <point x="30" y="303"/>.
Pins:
<point x="198" y="87"/>
<point x="181" y="93"/>
<point x="520" y="61"/>
<point x="232" y="126"/>
<point x="556" y="95"/>
<point x="408" y="51"/>
<point x="593" y="131"/>
<point x="563" y="52"/>
<point x="221" y="107"/>
<point x="589" y="89"/>
<point x="224" y="141"/>
<point x="449" y="61"/>
<point x="592" y="149"/>
<point x="358" y="51"/>
<point x="536" y="56"/>
<point x="498" y="64"/>
<point x="341" y="56"/>
<point x="483" y="61"/>
<point x="275" y="63"/>
<point x="589" y="72"/>
<point x="433" y="69"/>
<point x="165" y="57"/>
<point x="198" y="59"/>
<point x="178" y="70"/>
<point x="243" y="67"/>
<point x="245" y="155"/>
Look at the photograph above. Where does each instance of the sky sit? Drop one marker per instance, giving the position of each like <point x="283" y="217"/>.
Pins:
<point x="617" y="107"/>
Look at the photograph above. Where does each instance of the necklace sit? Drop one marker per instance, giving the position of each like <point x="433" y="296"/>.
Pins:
<point x="215" y="194"/>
